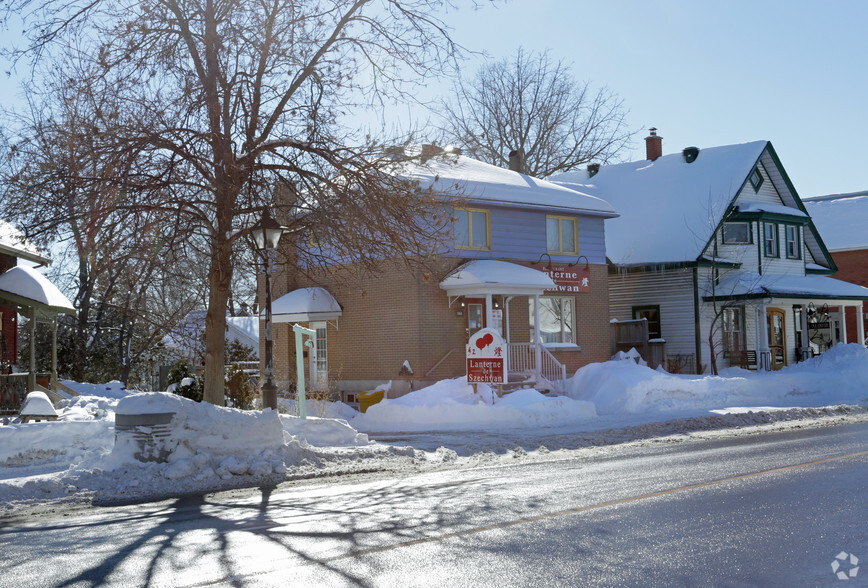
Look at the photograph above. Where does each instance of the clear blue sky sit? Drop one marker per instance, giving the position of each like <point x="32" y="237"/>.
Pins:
<point x="709" y="73"/>
<point x="706" y="73"/>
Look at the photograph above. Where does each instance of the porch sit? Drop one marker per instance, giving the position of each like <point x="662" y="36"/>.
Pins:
<point x="31" y="295"/>
<point x="484" y="289"/>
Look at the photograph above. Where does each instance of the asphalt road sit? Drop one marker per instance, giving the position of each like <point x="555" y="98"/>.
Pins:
<point x="764" y="510"/>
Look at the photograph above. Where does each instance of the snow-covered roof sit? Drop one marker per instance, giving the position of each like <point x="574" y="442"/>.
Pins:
<point x="790" y="285"/>
<point x="669" y="208"/>
<point x="26" y="286"/>
<point x="12" y="242"/>
<point x="474" y="180"/>
<point x="840" y="220"/>
<point x="186" y="336"/>
<point x="770" y="208"/>
<point x="486" y="276"/>
<point x="305" y="305"/>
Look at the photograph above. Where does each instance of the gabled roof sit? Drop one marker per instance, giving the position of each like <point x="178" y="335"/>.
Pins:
<point x="476" y="181"/>
<point x="669" y="208"/>
<point x="12" y="242"/>
<point x="841" y="219"/>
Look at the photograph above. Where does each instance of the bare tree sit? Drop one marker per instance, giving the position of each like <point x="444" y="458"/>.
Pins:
<point x="226" y="102"/>
<point x="532" y="104"/>
<point x="60" y="182"/>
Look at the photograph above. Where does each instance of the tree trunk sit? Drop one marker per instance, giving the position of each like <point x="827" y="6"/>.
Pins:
<point x="219" y="281"/>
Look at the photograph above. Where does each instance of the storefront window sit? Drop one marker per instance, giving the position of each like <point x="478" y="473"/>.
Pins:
<point x="557" y="319"/>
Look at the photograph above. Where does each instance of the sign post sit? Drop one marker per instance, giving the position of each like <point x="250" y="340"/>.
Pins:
<point x="486" y="358"/>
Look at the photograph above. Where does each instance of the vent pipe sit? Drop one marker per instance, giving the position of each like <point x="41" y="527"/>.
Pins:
<point x="690" y="154"/>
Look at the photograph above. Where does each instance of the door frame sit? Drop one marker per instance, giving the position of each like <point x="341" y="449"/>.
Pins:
<point x="777" y="361"/>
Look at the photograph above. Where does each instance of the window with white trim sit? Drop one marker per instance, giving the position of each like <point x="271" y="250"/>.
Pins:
<point x="794" y="246"/>
<point x="770" y="240"/>
<point x="557" y="323"/>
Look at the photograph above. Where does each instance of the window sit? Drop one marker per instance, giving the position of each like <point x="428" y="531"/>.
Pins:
<point x="770" y="239"/>
<point x="319" y="365"/>
<point x="472" y="229"/>
<point x="794" y="248"/>
<point x="756" y="179"/>
<point x="733" y="330"/>
<point x="556" y="319"/>
<point x="562" y="235"/>
<point x="652" y="314"/>
<point x="736" y="233"/>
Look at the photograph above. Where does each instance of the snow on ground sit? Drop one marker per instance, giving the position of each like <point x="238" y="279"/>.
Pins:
<point x="81" y="457"/>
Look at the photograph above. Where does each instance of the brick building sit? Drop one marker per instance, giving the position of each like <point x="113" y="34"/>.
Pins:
<point x="523" y="256"/>
<point x="843" y="221"/>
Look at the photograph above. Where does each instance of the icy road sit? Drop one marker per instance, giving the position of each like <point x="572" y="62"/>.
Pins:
<point x="773" y="509"/>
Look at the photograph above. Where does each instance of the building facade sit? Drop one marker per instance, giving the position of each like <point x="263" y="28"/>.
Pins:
<point x="523" y="256"/>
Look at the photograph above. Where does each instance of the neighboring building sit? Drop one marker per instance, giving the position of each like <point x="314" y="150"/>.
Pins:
<point x="186" y="341"/>
<point x="13" y="247"/>
<point x="717" y="242"/>
<point x="842" y="219"/>
<point x="526" y="257"/>
<point x="25" y="291"/>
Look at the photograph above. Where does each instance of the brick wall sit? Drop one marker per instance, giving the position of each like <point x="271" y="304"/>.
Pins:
<point x="401" y="315"/>
<point x="853" y="267"/>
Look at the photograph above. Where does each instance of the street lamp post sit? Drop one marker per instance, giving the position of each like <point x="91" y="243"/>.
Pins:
<point x="266" y="234"/>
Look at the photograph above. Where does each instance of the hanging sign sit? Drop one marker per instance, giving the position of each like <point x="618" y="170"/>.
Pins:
<point x="567" y="279"/>
<point x="486" y="358"/>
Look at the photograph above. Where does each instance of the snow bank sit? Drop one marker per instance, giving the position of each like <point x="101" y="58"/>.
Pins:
<point x="624" y="387"/>
<point x="451" y="405"/>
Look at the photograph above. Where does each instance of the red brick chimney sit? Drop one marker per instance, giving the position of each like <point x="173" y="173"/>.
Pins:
<point x="653" y="145"/>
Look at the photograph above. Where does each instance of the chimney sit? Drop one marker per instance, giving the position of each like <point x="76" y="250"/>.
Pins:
<point x="653" y="145"/>
<point x="516" y="161"/>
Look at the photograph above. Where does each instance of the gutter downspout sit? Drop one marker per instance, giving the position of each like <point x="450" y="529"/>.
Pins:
<point x="697" y="327"/>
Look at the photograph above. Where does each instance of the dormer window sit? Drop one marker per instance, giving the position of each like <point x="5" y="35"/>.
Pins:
<point x="756" y="179"/>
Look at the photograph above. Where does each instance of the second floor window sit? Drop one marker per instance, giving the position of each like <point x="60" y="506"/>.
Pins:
<point x="770" y="239"/>
<point x="472" y="228"/>
<point x="562" y="235"/>
<point x="736" y="233"/>
<point x="794" y="249"/>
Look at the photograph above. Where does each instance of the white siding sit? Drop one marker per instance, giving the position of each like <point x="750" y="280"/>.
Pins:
<point x="671" y="289"/>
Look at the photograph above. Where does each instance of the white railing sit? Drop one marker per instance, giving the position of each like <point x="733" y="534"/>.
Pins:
<point x="522" y="358"/>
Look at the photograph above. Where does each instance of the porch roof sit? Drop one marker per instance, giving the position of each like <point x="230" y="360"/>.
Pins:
<point x="486" y="276"/>
<point x="305" y="305"/>
<point x="751" y="285"/>
<point x="25" y="286"/>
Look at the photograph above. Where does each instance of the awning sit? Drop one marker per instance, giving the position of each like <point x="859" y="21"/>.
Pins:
<point x="487" y="276"/>
<point x="305" y="305"/>
<point x="25" y="286"/>
<point x="751" y="285"/>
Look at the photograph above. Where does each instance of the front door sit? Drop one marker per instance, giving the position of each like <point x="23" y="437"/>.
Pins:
<point x="777" y="337"/>
<point x="475" y="312"/>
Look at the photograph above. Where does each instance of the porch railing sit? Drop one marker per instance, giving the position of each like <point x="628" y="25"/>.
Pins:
<point x="522" y="358"/>
<point x="13" y="389"/>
